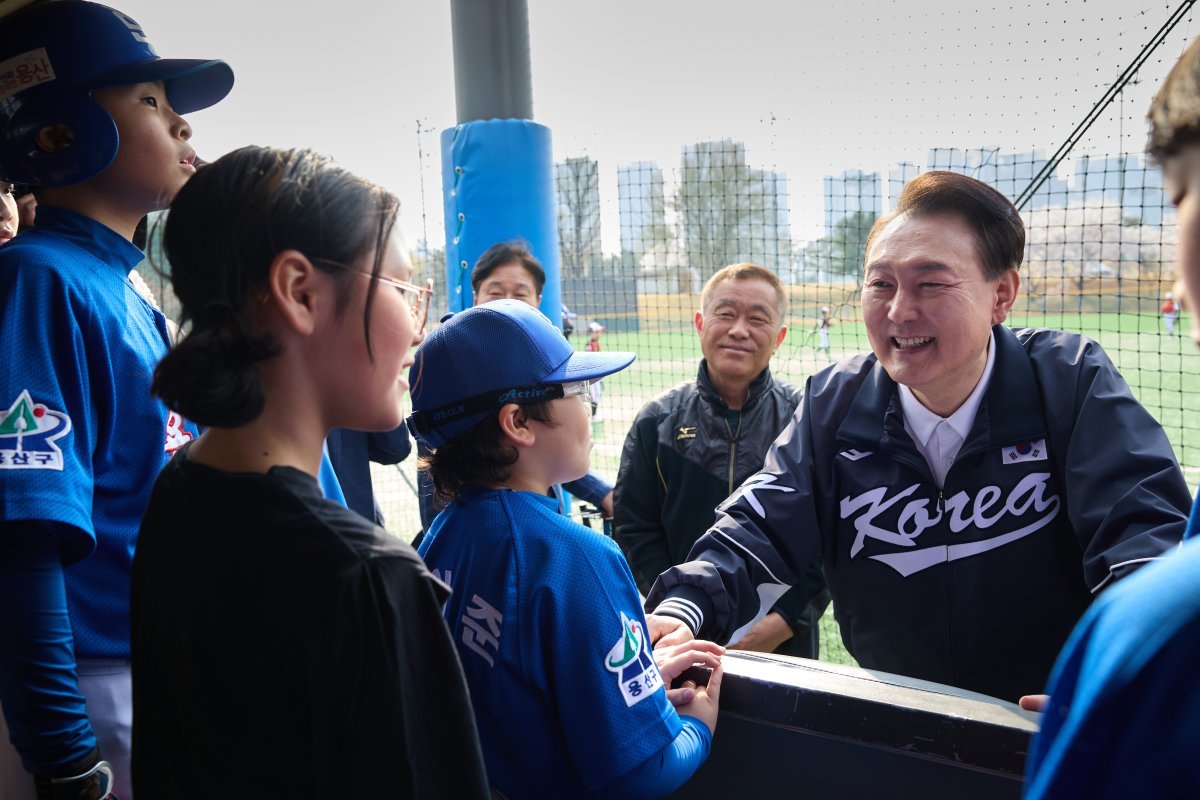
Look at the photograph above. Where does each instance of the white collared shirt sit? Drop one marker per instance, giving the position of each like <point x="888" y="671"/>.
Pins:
<point x="940" y="438"/>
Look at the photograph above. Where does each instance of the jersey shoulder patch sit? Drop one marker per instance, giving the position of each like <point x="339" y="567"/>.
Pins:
<point x="28" y="432"/>
<point x="632" y="664"/>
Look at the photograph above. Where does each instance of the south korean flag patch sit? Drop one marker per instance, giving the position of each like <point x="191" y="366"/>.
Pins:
<point x="636" y="673"/>
<point x="1025" y="451"/>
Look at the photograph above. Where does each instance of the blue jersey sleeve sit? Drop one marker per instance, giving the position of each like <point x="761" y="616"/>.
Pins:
<point x="47" y="414"/>
<point x="591" y="488"/>
<point x="46" y="714"/>
<point x="1193" y="523"/>
<point x="328" y="479"/>
<point x="82" y="438"/>
<point x="608" y="691"/>
<point x="1124" y="709"/>
<point x="669" y="768"/>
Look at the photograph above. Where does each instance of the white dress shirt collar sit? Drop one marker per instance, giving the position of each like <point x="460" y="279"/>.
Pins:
<point x="922" y="424"/>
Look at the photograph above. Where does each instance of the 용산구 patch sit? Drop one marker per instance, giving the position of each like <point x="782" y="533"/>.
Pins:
<point x="637" y="674"/>
<point x="28" y="431"/>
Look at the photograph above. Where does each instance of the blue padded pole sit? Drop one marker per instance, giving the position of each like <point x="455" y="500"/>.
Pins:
<point x="498" y="185"/>
<point x="497" y="174"/>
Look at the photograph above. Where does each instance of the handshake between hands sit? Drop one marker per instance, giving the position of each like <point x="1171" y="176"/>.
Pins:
<point x="676" y="651"/>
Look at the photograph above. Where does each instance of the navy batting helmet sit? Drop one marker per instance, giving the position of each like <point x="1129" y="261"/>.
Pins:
<point x="52" y="55"/>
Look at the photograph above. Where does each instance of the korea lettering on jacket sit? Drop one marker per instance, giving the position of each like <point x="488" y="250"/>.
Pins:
<point x="961" y="512"/>
<point x="1064" y="484"/>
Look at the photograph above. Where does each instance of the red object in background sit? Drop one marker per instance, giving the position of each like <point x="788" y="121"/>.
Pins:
<point x="594" y="331"/>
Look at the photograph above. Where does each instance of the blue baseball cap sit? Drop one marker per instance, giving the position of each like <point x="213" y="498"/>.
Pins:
<point x="52" y="56"/>
<point x="480" y="359"/>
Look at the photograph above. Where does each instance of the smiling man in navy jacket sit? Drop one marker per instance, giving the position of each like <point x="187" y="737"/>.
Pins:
<point x="968" y="488"/>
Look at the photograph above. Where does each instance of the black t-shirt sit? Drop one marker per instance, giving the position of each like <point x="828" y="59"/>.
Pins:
<point x="283" y="646"/>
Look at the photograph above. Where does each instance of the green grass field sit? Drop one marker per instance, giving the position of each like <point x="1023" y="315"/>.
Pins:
<point x="1163" y="372"/>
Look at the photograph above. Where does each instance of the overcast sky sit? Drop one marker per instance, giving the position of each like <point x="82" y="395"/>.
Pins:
<point x="812" y="88"/>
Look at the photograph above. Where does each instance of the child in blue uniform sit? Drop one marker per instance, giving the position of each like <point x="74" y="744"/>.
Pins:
<point x="1123" y="714"/>
<point x="509" y="270"/>
<point x="568" y="698"/>
<point x="91" y="118"/>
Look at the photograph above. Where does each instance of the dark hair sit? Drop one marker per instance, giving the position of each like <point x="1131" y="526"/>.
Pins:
<point x="224" y="229"/>
<point x="477" y="456"/>
<point x="993" y="219"/>
<point x="502" y="254"/>
<point x="140" y="232"/>
<point x="1175" y="111"/>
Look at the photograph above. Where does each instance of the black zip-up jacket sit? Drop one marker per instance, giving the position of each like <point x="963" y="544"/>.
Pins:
<point x="1064" y="484"/>
<point x="680" y="461"/>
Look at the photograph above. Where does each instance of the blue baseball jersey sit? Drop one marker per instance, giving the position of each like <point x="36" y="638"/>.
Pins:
<point x="1124" y="710"/>
<point x="81" y="437"/>
<point x="550" y="629"/>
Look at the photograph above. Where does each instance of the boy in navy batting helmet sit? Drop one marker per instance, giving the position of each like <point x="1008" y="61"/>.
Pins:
<point x="545" y="612"/>
<point x="90" y="116"/>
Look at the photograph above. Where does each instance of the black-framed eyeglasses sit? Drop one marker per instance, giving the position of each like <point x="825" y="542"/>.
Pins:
<point x="421" y="423"/>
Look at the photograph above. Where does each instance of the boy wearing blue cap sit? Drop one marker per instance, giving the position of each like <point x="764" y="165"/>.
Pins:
<point x="545" y="612"/>
<point x="90" y="117"/>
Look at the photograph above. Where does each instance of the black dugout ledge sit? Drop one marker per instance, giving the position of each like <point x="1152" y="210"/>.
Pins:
<point x="790" y="727"/>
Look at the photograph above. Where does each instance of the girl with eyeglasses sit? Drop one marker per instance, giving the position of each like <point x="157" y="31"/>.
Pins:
<point x="284" y="646"/>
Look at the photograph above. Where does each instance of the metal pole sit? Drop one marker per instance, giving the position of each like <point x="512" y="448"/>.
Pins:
<point x="493" y="78"/>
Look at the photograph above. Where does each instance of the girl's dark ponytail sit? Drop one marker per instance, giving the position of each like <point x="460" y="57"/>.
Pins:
<point x="212" y="376"/>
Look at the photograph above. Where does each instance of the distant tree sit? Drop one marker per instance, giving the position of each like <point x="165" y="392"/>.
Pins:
<point x="629" y="263"/>
<point x="577" y="186"/>
<point x="846" y="244"/>
<point x="815" y="258"/>
<point x="728" y="212"/>
<point x="611" y="266"/>
<point x="648" y="242"/>
<point x="1075" y="253"/>
<point x="430" y="262"/>
<point x="659" y="248"/>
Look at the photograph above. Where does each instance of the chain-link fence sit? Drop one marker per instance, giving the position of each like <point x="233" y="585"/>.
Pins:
<point x="639" y="236"/>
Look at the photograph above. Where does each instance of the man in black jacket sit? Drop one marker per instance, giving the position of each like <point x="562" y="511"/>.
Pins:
<point x="690" y="448"/>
